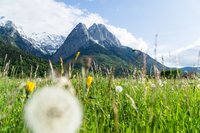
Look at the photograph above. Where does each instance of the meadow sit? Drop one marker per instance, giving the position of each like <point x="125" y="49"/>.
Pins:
<point x="141" y="106"/>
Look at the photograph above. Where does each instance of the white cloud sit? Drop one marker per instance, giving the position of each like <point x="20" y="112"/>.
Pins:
<point x="184" y="56"/>
<point x="49" y="16"/>
<point x="127" y="38"/>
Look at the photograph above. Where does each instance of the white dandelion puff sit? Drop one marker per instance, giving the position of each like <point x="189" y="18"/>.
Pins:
<point x="53" y="110"/>
<point x="198" y="86"/>
<point x="118" y="89"/>
<point x="153" y="86"/>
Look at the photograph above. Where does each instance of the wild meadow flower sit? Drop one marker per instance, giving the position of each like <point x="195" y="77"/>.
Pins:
<point x="118" y="89"/>
<point x="30" y="86"/>
<point x="89" y="81"/>
<point x="198" y="86"/>
<point x="153" y="85"/>
<point x="53" y="110"/>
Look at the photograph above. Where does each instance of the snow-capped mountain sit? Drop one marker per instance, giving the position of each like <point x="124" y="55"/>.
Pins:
<point x="8" y="25"/>
<point x="13" y="35"/>
<point x="48" y="43"/>
<point x="99" y="43"/>
<point x="96" y="41"/>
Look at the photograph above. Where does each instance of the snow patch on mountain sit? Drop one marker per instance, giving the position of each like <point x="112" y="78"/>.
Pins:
<point x="48" y="43"/>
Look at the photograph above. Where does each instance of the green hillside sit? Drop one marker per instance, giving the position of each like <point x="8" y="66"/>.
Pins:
<point x="17" y="65"/>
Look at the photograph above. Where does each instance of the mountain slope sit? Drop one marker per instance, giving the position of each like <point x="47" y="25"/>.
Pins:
<point x="48" y="43"/>
<point x="76" y="39"/>
<point x="10" y="34"/>
<point x="100" y="33"/>
<point x="104" y="47"/>
<point x="117" y="57"/>
<point x="28" y="61"/>
<point x="39" y="44"/>
<point x="96" y="41"/>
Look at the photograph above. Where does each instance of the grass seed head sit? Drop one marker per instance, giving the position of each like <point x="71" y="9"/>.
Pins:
<point x="77" y="55"/>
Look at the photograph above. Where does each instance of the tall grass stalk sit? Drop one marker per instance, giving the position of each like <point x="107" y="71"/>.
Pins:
<point x="36" y="70"/>
<point x="21" y="65"/>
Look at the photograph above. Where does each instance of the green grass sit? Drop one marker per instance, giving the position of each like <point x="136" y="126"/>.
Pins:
<point x="171" y="107"/>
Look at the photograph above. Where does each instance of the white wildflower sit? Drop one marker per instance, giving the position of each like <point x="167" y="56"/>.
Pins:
<point x="53" y="110"/>
<point x="118" y="89"/>
<point x="198" y="86"/>
<point x="153" y="85"/>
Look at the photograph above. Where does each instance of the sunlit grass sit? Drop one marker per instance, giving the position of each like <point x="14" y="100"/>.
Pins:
<point x="166" y="106"/>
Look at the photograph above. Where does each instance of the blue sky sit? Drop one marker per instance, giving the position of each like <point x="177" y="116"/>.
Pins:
<point x="175" y="21"/>
<point x="134" y="22"/>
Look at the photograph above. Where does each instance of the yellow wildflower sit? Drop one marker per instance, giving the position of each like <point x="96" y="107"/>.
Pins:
<point x="89" y="81"/>
<point x="30" y="86"/>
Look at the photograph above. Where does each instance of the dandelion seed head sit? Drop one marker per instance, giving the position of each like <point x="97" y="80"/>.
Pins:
<point x="198" y="86"/>
<point x="153" y="86"/>
<point x="53" y="110"/>
<point x="118" y="89"/>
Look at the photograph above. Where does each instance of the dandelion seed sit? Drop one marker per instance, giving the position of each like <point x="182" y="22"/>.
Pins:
<point x="52" y="110"/>
<point x="89" y="81"/>
<point x="118" y="89"/>
<point x="30" y="86"/>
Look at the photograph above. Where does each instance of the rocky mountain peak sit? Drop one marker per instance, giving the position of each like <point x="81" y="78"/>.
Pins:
<point x="76" y="39"/>
<point x="101" y="33"/>
<point x="80" y="29"/>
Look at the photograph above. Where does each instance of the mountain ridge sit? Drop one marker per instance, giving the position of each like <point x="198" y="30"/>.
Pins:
<point x="46" y="44"/>
<point x="96" y="41"/>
